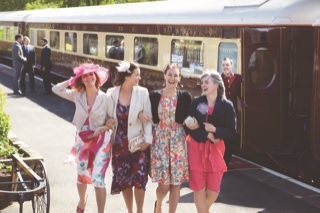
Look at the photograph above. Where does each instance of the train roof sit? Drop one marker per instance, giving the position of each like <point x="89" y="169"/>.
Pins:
<point x="177" y="12"/>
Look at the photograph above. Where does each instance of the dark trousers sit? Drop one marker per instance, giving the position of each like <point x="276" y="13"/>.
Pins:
<point x="232" y="146"/>
<point x="27" y="69"/>
<point x="16" y="79"/>
<point x="47" y="81"/>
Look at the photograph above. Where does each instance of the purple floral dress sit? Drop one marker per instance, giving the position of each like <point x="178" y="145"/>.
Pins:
<point x="129" y="169"/>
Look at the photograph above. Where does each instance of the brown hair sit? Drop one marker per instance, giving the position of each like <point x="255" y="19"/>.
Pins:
<point x="174" y="67"/>
<point x="121" y="76"/>
<point x="79" y="85"/>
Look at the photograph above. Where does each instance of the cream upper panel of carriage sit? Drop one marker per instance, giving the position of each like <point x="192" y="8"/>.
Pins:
<point x="15" y="16"/>
<point x="239" y="12"/>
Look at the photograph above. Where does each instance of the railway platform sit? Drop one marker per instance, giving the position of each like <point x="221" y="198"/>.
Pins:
<point x="43" y="122"/>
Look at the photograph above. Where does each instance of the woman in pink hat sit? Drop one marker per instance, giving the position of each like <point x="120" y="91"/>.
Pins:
<point x="92" y="147"/>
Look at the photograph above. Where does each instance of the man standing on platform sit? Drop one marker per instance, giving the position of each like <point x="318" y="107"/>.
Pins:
<point x="46" y="65"/>
<point x="232" y="83"/>
<point x="29" y="53"/>
<point x="17" y="62"/>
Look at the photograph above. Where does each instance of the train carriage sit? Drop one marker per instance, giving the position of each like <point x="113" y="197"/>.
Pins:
<point x="274" y="44"/>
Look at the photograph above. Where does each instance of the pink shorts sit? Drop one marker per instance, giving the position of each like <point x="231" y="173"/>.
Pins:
<point x="206" y="164"/>
<point x="209" y="180"/>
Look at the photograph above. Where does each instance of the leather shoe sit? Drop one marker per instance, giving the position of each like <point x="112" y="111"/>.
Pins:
<point x="17" y="93"/>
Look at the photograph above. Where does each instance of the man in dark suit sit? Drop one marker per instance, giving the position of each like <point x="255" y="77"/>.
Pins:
<point x="29" y="53"/>
<point x="46" y="65"/>
<point x="17" y="62"/>
<point x="232" y="83"/>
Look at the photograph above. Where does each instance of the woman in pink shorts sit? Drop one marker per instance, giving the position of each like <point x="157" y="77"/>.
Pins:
<point x="214" y="120"/>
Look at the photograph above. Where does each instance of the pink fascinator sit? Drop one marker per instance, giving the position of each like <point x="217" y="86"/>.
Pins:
<point x="88" y="68"/>
<point x="124" y="67"/>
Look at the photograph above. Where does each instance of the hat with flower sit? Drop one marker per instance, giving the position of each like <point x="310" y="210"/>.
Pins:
<point x="89" y="68"/>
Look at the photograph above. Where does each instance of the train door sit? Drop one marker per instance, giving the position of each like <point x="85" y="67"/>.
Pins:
<point x="315" y="107"/>
<point x="263" y="89"/>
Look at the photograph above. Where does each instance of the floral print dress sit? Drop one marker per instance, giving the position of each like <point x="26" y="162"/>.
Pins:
<point x="129" y="169"/>
<point x="94" y="174"/>
<point x="169" y="163"/>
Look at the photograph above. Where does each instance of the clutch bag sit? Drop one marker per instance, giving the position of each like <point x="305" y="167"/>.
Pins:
<point x="85" y="136"/>
<point x="135" y="142"/>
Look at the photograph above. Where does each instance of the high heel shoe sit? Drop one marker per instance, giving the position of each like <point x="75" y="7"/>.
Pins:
<point x="81" y="210"/>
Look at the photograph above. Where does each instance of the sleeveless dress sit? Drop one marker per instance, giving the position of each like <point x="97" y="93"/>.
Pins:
<point x="129" y="169"/>
<point x="169" y="162"/>
<point x="94" y="173"/>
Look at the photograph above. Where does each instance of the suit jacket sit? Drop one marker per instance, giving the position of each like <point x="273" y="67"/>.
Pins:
<point x="98" y="113"/>
<point x="17" y="55"/>
<point x="29" y="53"/>
<point x="45" y="57"/>
<point x="223" y="118"/>
<point x="139" y="103"/>
<point x="182" y="109"/>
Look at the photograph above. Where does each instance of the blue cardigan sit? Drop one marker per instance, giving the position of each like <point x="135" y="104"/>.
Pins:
<point x="223" y="118"/>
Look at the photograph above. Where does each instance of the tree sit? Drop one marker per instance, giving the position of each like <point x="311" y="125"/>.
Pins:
<point x="14" y="5"/>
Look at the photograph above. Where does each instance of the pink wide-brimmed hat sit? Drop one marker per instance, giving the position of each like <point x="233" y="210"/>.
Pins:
<point x="88" y="68"/>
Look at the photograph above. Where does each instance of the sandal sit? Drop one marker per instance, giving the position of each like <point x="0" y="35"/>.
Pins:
<point x="81" y="210"/>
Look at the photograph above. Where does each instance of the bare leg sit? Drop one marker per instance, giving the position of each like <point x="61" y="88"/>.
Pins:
<point x="101" y="196"/>
<point x="162" y="191"/>
<point x="82" y="189"/>
<point x="139" y="196"/>
<point x="174" y="198"/>
<point x="128" y="199"/>
<point x="200" y="200"/>
<point x="211" y="197"/>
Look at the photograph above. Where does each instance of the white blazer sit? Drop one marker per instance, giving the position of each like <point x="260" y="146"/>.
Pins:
<point x="140" y="102"/>
<point x="98" y="113"/>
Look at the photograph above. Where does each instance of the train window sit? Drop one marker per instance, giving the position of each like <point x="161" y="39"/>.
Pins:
<point x="187" y="54"/>
<point x="230" y="50"/>
<point x="90" y="44"/>
<point x="146" y="50"/>
<point x="31" y="37"/>
<point x="115" y="47"/>
<point x="2" y="32"/>
<point x="9" y="33"/>
<point x="70" y="42"/>
<point x="262" y="68"/>
<point x="40" y="34"/>
<point x="55" y="40"/>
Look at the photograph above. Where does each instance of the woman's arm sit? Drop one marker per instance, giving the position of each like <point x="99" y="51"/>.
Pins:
<point x="61" y="90"/>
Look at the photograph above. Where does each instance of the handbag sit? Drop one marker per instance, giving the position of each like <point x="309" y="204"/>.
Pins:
<point x="85" y="136"/>
<point x="134" y="143"/>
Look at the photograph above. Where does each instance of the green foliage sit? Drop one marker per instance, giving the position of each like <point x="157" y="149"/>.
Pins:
<point x="41" y="4"/>
<point x="15" y="5"/>
<point x="6" y="149"/>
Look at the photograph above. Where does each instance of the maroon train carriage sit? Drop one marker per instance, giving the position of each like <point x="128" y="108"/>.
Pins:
<point x="274" y="45"/>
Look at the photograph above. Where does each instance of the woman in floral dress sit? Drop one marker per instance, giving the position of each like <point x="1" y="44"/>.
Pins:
<point x="92" y="152"/>
<point x="130" y="170"/>
<point x="169" y="163"/>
